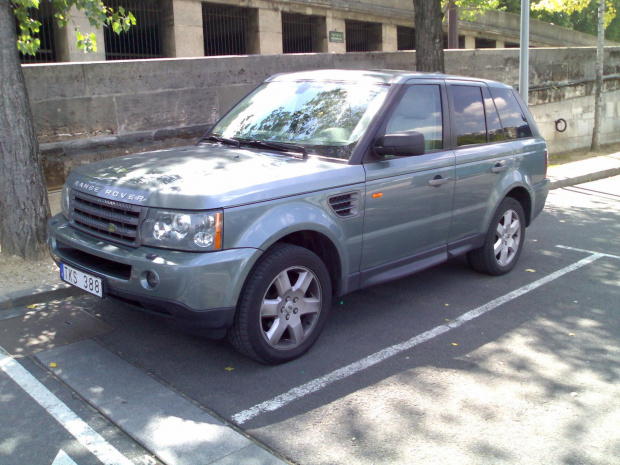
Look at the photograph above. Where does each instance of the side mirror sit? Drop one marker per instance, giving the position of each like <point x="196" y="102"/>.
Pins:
<point x="402" y="144"/>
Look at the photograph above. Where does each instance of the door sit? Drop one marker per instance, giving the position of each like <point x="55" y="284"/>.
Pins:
<point x="409" y="198"/>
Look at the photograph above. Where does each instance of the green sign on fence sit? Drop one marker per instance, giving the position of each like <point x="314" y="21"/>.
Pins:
<point x="335" y="36"/>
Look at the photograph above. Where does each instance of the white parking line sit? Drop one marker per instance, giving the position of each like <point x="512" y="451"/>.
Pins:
<point x="587" y="251"/>
<point x="87" y="436"/>
<point x="349" y="370"/>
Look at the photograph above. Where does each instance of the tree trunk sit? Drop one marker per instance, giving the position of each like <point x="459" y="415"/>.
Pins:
<point x="24" y="207"/>
<point x="598" y="87"/>
<point x="428" y="36"/>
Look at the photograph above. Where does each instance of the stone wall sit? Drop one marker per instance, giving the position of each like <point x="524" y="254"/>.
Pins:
<point x="88" y="111"/>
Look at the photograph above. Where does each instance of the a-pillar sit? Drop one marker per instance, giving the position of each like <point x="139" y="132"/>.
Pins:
<point x="389" y="38"/>
<point x="66" y="41"/>
<point x="266" y="33"/>
<point x="183" y="35"/>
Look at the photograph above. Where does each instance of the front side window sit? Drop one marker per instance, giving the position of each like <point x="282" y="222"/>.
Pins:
<point x="327" y="118"/>
<point x="514" y="121"/>
<point x="469" y="115"/>
<point x="420" y="110"/>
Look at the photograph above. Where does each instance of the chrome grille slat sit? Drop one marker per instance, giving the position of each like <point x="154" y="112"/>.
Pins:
<point x="109" y="219"/>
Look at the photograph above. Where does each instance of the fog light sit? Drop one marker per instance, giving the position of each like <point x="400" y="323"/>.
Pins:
<point x="152" y="279"/>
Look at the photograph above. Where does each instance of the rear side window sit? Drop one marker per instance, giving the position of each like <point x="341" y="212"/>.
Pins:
<point x="512" y="117"/>
<point x="469" y="115"/>
<point x="494" y="126"/>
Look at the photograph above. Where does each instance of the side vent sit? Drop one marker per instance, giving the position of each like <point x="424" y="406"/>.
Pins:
<point x="345" y="205"/>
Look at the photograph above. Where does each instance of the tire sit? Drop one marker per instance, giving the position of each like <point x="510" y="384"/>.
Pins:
<point x="504" y="240"/>
<point x="283" y="305"/>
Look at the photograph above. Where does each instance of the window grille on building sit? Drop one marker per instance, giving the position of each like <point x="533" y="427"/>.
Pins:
<point x="362" y="36"/>
<point x="47" y="50"/>
<point x="225" y="29"/>
<point x="484" y="43"/>
<point x="405" y="37"/>
<point x="300" y="33"/>
<point x="142" y="40"/>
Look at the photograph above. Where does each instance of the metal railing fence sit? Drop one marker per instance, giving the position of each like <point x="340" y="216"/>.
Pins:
<point x="299" y="33"/>
<point x="142" y="40"/>
<point x="225" y="29"/>
<point x="362" y="36"/>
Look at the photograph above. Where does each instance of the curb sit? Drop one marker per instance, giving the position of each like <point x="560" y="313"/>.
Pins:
<point x="43" y="293"/>
<point x="565" y="182"/>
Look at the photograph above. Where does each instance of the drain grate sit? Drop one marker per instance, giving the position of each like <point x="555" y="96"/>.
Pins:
<point x="47" y="328"/>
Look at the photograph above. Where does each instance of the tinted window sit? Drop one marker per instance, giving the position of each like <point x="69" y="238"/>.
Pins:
<point x="420" y="110"/>
<point x="513" y="119"/>
<point x="469" y="119"/>
<point x="494" y="126"/>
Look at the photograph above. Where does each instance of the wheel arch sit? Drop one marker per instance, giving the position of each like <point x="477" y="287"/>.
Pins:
<point x="323" y="247"/>
<point x="522" y="195"/>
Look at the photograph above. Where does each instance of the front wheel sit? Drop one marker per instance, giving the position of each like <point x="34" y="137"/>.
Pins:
<point x="283" y="305"/>
<point x="504" y="240"/>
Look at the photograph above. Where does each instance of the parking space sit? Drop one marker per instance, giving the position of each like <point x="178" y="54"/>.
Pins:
<point x="445" y="366"/>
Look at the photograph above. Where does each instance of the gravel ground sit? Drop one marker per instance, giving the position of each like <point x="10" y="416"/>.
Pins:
<point x="18" y="275"/>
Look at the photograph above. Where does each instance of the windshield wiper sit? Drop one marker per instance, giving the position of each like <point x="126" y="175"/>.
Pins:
<point x="280" y="146"/>
<point x="221" y="140"/>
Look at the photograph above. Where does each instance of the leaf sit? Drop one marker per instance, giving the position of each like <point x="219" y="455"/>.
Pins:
<point x="229" y="368"/>
<point x="454" y="344"/>
<point x="32" y="306"/>
<point x="529" y="270"/>
<point x="53" y="365"/>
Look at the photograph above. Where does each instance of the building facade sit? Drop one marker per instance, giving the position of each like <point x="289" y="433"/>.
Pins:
<point x="193" y="28"/>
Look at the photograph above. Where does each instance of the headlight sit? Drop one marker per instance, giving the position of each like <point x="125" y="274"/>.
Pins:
<point x="200" y="232"/>
<point x="64" y="201"/>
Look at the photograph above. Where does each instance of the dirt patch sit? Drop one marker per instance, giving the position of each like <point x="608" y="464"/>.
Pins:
<point x="19" y="275"/>
<point x="582" y="154"/>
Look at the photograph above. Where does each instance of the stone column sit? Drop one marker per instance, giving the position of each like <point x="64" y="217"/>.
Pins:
<point x="66" y="42"/>
<point x="183" y="34"/>
<point x="266" y="33"/>
<point x="470" y="41"/>
<point x="500" y="44"/>
<point x="336" y="25"/>
<point x="389" y="38"/>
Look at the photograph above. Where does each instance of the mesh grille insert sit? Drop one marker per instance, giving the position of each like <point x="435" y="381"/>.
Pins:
<point x="109" y="219"/>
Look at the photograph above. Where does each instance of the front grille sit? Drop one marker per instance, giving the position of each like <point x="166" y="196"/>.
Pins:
<point x="108" y="219"/>
<point x="345" y="205"/>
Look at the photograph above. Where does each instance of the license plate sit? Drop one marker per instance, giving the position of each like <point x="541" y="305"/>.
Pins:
<point x="84" y="281"/>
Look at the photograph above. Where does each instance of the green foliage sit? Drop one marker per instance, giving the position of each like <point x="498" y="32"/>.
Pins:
<point x="579" y="15"/>
<point x="97" y="13"/>
<point x="470" y="9"/>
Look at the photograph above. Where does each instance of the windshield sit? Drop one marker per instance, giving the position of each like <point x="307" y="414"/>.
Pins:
<point x="326" y="118"/>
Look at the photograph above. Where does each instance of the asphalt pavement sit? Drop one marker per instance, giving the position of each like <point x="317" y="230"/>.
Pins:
<point x="182" y="406"/>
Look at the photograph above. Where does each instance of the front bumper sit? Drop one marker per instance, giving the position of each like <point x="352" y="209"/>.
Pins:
<point x="195" y="290"/>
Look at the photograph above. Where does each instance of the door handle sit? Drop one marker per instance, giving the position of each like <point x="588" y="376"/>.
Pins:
<point x="438" y="181"/>
<point x="499" y="167"/>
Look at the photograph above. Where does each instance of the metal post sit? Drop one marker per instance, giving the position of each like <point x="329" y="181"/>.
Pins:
<point x="453" y="26"/>
<point x="524" y="57"/>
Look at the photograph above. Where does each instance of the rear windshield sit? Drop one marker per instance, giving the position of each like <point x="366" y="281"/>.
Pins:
<point x="327" y="118"/>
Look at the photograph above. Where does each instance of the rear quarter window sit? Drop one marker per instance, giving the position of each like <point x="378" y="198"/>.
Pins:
<point x="513" y="120"/>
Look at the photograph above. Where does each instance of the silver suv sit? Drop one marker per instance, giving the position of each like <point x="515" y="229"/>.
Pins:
<point x="315" y="185"/>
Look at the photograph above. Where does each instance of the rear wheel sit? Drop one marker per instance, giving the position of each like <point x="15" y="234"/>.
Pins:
<point x="283" y="306"/>
<point x="504" y="240"/>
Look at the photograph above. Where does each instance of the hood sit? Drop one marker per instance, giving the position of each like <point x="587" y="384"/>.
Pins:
<point x="209" y="176"/>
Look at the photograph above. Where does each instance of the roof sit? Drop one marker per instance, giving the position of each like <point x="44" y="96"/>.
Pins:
<point x="375" y="76"/>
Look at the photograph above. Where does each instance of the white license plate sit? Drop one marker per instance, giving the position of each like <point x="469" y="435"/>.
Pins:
<point x="84" y="281"/>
